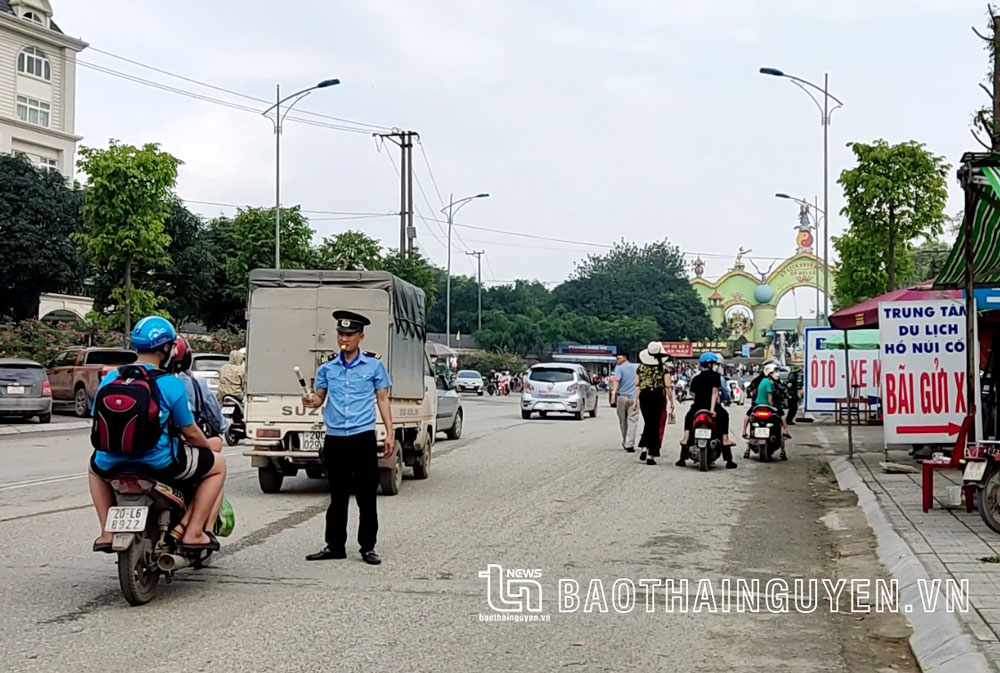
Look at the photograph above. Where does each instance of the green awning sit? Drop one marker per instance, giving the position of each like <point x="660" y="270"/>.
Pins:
<point x="980" y="173"/>
<point x="859" y="339"/>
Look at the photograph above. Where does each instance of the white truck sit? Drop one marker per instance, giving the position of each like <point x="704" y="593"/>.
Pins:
<point x="290" y="324"/>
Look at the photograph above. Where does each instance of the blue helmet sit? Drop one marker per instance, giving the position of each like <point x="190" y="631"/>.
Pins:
<point x="151" y="333"/>
<point x="708" y="359"/>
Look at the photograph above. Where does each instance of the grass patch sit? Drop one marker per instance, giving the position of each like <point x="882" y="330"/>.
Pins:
<point x="991" y="559"/>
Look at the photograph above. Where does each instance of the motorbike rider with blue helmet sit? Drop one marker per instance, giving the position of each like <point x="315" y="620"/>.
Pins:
<point x="198" y="460"/>
<point x="706" y="388"/>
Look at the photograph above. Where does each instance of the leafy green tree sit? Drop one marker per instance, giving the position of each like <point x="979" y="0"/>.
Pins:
<point x="127" y="200"/>
<point x="38" y="216"/>
<point x="413" y="268"/>
<point x="638" y="281"/>
<point x="895" y="195"/>
<point x="251" y="233"/>
<point x="349" y="250"/>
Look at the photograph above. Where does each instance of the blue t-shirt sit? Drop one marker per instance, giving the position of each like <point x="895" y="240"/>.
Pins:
<point x="174" y="411"/>
<point x="625" y="374"/>
<point x="350" y="397"/>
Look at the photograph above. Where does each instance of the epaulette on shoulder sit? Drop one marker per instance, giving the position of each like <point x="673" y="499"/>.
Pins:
<point x="370" y="354"/>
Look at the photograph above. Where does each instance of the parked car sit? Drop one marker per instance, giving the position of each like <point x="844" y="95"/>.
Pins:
<point x="560" y="388"/>
<point x="75" y="374"/>
<point x="206" y="366"/>
<point x="470" y="381"/>
<point x="449" y="412"/>
<point x="24" y="390"/>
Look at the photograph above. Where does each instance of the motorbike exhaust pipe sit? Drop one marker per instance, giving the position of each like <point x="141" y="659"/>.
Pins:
<point x="171" y="562"/>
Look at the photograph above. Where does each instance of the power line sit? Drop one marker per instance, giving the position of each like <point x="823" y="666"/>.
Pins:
<point x="319" y="212"/>
<point x="224" y="90"/>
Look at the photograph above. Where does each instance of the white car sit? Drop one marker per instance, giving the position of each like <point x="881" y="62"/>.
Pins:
<point x="206" y="366"/>
<point x="469" y="381"/>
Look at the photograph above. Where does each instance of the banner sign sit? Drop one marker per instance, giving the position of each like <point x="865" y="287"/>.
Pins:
<point x="924" y="383"/>
<point x="678" y="349"/>
<point x="587" y="349"/>
<point x="825" y="373"/>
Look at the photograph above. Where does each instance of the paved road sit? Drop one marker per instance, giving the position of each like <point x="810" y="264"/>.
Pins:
<point x="557" y="495"/>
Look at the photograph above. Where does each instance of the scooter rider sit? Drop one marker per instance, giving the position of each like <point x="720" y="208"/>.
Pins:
<point x="204" y="405"/>
<point x="767" y="396"/>
<point x="706" y="388"/>
<point x="199" y="460"/>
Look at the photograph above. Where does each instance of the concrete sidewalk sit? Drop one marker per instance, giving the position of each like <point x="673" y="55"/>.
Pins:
<point x="21" y="429"/>
<point x="947" y="543"/>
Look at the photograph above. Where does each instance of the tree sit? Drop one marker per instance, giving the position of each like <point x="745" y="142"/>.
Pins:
<point x="895" y="195"/>
<point x="127" y="200"/>
<point x="983" y="120"/>
<point x="349" y="250"/>
<point x="413" y="268"/>
<point x="640" y="282"/>
<point x="38" y="215"/>
<point x="251" y="235"/>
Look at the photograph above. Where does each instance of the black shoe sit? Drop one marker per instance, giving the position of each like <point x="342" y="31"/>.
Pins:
<point x="629" y="449"/>
<point x="642" y="456"/>
<point x="327" y="554"/>
<point x="650" y="461"/>
<point x="746" y="454"/>
<point x="730" y="465"/>
<point x="681" y="463"/>
<point x="370" y="557"/>
<point x="784" y="456"/>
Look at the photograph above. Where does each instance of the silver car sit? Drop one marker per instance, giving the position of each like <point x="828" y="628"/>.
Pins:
<point x="558" y="388"/>
<point x="450" y="417"/>
<point x="24" y="390"/>
<point x="206" y="366"/>
<point x="470" y="381"/>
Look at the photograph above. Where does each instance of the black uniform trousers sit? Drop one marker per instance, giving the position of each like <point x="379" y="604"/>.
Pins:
<point x="351" y="465"/>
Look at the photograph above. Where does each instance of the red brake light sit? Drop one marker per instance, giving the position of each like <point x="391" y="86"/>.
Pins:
<point x="46" y="389"/>
<point x="266" y="433"/>
<point x="762" y="413"/>
<point x="703" y="418"/>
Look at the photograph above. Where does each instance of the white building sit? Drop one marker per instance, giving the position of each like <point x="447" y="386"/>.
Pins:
<point x="37" y="85"/>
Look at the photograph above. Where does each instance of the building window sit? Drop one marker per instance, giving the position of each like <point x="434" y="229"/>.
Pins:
<point x="32" y="61"/>
<point x="33" y="111"/>
<point x="48" y="165"/>
<point x="32" y="16"/>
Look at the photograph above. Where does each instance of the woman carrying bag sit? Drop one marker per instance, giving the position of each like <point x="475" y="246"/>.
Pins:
<point x="655" y="399"/>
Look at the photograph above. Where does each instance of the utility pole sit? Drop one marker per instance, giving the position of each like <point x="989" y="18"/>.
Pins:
<point x="478" y="254"/>
<point x="407" y="231"/>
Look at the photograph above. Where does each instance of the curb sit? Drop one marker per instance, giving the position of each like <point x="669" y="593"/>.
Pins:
<point x="18" y="430"/>
<point x="939" y="642"/>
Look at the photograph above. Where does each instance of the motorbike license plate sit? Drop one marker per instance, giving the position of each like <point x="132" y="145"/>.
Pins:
<point x="703" y="433"/>
<point x="15" y="390"/>
<point x="312" y="441"/>
<point x="126" y="519"/>
<point x="228" y="411"/>
<point x="762" y="433"/>
<point x="974" y="470"/>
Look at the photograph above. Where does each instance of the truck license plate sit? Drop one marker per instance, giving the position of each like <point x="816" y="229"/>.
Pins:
<point x="15" y="390"/>
<point x="703" y="433"/>
<point x="126" y="519"/>
<point x="974" y="470"/>
<point x="313" y="441"/>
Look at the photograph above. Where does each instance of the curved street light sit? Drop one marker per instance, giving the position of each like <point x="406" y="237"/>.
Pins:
<point x="278" y="121"/>
<point x="825" y="113"/>
<point x="451" y="210"/>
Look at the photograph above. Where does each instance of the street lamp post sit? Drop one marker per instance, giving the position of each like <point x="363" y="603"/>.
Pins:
<point x="815" y="206"/>
<point x="825" y="111"/>
<point x="451" y="220"/>
<point x="278" y="121"/>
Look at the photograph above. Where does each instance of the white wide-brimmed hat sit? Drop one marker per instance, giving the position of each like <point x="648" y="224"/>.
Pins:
<point x="653" y="354"/>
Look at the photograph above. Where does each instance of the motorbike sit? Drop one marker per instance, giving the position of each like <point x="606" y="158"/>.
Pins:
<point x="232" y="409"/>
<point x="764" y="432"/>
<point x="705" y="443"/>
<point x="145" y="512"/>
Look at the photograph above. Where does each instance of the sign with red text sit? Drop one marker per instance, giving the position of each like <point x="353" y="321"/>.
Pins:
<point x="924" y="384"/>
<point x="678" y="349"/>
<point x="825" y="375"/>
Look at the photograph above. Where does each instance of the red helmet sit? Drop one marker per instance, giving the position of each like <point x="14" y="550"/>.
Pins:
<point x="180" y="360"/>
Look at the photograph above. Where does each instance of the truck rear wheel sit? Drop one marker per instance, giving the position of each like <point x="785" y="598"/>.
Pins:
<point x="390" y="479"/>
<point x="270" y="478"/>
<point x="422" y="468"/>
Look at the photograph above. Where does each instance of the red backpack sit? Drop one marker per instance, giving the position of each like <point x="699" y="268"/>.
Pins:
<point x="127" y="413"/>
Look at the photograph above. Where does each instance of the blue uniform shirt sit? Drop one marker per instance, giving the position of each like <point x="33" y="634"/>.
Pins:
<point x="350" y="398"/>
<point x="173" y="411"/>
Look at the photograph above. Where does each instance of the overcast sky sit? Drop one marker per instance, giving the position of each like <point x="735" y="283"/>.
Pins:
<point x="586" y="120"/>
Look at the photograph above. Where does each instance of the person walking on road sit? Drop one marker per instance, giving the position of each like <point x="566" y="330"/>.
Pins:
<point x="623" y="380"/>
<point x="793" y="395"/>
<point x="655" y="392"/>
<point x="349" y="387"/>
